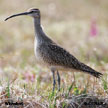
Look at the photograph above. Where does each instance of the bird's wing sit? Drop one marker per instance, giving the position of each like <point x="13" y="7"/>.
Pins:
<point x="60" y="56"/>
<point x="56" y="55"/>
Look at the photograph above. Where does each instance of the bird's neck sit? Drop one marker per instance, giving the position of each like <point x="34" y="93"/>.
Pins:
<point x="37" y="22"/>
<point x="39" y="34"/>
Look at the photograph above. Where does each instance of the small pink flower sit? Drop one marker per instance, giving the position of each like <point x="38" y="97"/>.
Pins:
<point x="93" y="28"/>
<point x="29" y="77"/>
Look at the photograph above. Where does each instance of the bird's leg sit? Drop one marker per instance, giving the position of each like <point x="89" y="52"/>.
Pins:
<point x="54" y="82"/>
<point x="58" y="79"/>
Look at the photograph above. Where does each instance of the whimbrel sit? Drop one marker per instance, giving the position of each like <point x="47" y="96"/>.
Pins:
<point x="51" y="55"/>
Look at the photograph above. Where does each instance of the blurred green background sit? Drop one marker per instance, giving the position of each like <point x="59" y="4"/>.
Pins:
<point x="67" y="22"/>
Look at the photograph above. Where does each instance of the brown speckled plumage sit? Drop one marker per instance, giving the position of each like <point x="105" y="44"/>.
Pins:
<point x="54" y="55"/>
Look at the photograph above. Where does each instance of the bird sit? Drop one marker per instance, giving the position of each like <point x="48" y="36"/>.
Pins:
<point x="50" y="54"/>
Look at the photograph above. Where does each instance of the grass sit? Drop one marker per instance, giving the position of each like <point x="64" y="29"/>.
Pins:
<point x="39" y="92"/>
<point x="23" y="81"/>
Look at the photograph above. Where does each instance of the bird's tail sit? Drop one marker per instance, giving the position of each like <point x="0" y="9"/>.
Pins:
<point x="89" y="70"/>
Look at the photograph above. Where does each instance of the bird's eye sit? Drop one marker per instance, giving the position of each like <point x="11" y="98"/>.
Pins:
<point x="31" y="11"/>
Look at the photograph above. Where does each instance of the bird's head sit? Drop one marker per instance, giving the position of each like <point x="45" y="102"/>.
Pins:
<point x="35" y="13"/>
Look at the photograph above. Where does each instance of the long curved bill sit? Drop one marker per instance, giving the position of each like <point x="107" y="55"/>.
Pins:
<point x="24" y="13"/>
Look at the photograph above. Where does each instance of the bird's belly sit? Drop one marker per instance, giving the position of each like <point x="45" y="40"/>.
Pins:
<point x="63" y="68"/>
<point x="39" y="56"/>
<point x="39" y="59"/>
